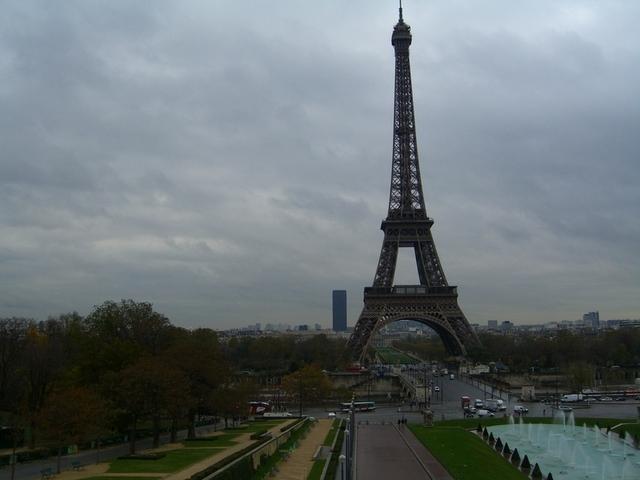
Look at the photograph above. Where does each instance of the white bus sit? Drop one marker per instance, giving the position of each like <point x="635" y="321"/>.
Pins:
<point x="358" y="406"/>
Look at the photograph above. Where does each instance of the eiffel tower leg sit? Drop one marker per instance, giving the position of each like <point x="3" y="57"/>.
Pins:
<point x="363" y="332"/>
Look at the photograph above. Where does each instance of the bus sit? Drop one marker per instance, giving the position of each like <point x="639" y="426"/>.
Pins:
<point x="259" y="408"/>
<point x="358" y="406"/>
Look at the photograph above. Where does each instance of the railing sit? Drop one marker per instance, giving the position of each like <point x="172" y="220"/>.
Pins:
<point x="269" y="448"/>
<point x="411" y="290"/>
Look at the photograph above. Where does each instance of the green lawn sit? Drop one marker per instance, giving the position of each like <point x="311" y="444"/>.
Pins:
<point x="318" y="465"/>
<point x="392" y="356"/>
<point x="173" y="461"/>
<point x="316" y="470"/>
<point x="224" y="440"/>
<point x="328" y="441"/>
<point x="464" y="455"/>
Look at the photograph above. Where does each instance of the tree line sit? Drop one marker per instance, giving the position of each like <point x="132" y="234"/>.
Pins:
<point x="560" y="350"/>
<point x="125" y="367"/>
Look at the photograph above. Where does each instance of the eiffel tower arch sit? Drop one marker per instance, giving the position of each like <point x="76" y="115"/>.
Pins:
<point x="433" y="302"/>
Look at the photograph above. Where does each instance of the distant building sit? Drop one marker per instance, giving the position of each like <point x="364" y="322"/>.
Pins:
<point x="506" y="326"/>
<point x="492" y="324"/>
<point x="303" y="328"/>
<point x="591" y="319"/>
<point x="339" y="310"/>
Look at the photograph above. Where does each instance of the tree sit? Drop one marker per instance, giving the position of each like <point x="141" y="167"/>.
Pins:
<point x="308" y="384"/>
<point x="42" y="361"/>
<point x="70" y="416"/>
<point x="197" y="355"/>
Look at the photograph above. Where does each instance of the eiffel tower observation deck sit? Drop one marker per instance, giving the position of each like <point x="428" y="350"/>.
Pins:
<point x="433" y="302"/>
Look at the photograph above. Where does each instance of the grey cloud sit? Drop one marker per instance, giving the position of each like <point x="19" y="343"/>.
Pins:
<point x="232" y="164"/>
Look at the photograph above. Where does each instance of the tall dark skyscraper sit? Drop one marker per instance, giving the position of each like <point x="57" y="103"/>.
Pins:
<point x="339" y="310"/>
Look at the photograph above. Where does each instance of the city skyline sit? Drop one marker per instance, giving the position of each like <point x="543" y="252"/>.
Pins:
<point x="231" y="165"/>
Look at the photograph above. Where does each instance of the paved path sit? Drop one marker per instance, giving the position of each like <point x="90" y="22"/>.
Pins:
<point x="385" y="451"/>
<point x="299" y="463"/>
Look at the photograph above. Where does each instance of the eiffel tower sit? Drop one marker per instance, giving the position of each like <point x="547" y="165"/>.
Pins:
<point x="433" y="302"/>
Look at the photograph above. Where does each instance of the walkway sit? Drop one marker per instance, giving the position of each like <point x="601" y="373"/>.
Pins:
<point x="385" y="451"/>
<point x="299" y="463"/>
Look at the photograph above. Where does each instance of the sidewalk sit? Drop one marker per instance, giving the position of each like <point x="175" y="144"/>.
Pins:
<point x="299" y="463"/>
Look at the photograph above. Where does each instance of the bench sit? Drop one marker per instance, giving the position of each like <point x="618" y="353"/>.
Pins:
<point x="76" y="465"/>
<point x="46" y="473"/>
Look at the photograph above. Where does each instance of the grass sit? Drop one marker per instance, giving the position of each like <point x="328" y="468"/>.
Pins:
<point x="316" y="470"/>
<point x="318" y="465"/>
<point x="328" y="440"/>
<point x="392" y="356"/>
<point x="333" y="463"/>
<point x="224" y="440"/>
<point x="464" y="455"/>
<point x="173" y="461"/>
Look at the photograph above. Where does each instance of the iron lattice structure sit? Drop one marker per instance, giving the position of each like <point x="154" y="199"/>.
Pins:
<point x="433" y="302"/>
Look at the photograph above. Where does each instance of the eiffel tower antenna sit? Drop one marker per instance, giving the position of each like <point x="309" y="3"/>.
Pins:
<point x="433" y="301"/>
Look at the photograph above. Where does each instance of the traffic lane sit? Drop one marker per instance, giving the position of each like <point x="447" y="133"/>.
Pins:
<point x="381" y="454"/>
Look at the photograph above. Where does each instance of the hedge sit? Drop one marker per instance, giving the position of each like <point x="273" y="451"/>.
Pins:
<point x="257" y="435"/>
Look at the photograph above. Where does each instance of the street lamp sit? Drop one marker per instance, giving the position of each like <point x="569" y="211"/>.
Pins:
<point x="342" y="459"/>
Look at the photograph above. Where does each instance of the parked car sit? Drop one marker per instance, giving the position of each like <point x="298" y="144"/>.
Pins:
<point x="520" y="409"/>
<point x="564" y="408"/>
<point x="478" y="403"/>
<point x="621" y="399"/>
<point x="436" y="388"/>
<point x="331" y="415"/>
<point x="484" y="413"/>
<point x="605" y="399"/>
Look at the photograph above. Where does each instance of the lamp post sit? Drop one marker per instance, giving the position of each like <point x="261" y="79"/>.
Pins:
<point x="424" y="371"/>
<point x="342" y="458"/>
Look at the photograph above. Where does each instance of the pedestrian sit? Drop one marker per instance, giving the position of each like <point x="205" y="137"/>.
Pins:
<point x="544" y="412"/>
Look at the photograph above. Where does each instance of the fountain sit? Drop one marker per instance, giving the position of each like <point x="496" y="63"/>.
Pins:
<point x="572" y="422"/>
<point x="560" y="448"/>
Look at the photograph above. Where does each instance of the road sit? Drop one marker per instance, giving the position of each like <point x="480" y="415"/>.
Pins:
<point x="446" y="405"/>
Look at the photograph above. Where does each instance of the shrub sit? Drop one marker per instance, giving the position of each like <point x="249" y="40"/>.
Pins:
<point x="142" y="456"/>
<point x="537" y="473"/>
<point x="257" y="435"/>
<point x="242" y="470"/>
<point x="287" y="427"/>
<point x="506" y="450"/>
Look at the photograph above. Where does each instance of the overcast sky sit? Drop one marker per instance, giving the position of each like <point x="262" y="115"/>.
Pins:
<point x="230" y="161"/>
